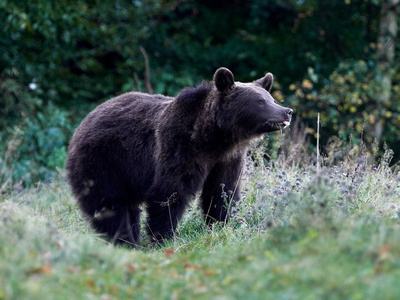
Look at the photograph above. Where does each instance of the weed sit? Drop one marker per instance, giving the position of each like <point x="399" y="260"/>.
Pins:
<point x="296" y="233"/>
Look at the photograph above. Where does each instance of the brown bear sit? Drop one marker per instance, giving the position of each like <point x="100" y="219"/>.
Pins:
<point x="161" y="151"/>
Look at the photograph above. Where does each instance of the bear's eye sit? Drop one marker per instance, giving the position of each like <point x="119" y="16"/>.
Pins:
<point x="260" y="101"/>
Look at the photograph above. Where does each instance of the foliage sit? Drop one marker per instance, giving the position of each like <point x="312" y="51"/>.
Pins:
<point x="252" y="37"/>
<point x="88" y="50"/>
<point x="36" y="147"/>
<point x="71" y="54"/>
<point x="349" y="103"/>
<point x="296" y="234"/>
<point x="75" y="51"/>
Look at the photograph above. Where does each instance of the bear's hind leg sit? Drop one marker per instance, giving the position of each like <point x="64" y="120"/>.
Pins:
<point x="120" y="224"/>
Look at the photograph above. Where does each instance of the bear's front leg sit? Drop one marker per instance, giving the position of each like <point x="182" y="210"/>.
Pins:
<point x="222" y="189"/>
<point x="166" y="200"/>
<point x="164" y="210"/>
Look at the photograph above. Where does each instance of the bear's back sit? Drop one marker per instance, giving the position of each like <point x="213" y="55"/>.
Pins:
<point x="124" y="114"/>
<point x="118" y="135"/>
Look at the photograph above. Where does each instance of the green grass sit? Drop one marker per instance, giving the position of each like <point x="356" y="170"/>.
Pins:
<point x="296" y="235"/>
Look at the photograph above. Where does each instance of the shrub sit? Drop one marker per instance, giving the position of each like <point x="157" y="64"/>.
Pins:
<point x="35" y="147"/>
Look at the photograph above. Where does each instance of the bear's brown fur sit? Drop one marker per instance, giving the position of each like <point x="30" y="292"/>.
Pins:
<point x="139" y="148"/>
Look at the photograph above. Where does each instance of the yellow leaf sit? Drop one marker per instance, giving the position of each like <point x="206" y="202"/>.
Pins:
<point x="278" y="95"/>
<point x="168" y="252"/>
<point x="131" y="268"/>
<point x="46" y="269"/>
<point x="299" y="93"/>
<point x="310" y="130"/>
<point x="307" y="84"/>
<point x="90" y="283"/>
<point x="197" y="267"/>
<point x="371" y="119"/>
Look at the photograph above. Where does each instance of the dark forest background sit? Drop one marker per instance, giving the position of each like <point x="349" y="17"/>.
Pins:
<point x="59" y="59"/>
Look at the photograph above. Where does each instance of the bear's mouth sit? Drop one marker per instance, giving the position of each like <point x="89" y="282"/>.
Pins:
<point x="280" y="125"/>
<point x="271" y="126"/>
<point x="284" y="124"/>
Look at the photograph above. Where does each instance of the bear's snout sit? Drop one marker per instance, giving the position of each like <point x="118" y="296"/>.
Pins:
<point x="289" y="112"/>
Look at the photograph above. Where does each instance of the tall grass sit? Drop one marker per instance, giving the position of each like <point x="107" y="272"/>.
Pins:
<point x="296" y="234"/>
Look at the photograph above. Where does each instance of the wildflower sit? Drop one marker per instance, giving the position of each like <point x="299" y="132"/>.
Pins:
<point x="260" y="186"/>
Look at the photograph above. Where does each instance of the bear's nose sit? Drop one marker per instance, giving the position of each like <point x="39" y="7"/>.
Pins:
<point x="289" y="111"/>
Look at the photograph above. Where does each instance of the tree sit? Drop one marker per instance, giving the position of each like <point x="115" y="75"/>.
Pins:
<point x="386" y="47"/>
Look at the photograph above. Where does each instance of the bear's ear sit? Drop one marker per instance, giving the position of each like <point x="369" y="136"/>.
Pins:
<point x="223" y="79"/>
<point x="266" y="82"/>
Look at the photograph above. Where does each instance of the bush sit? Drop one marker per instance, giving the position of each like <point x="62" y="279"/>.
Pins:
<point x="349" y="105"/>
<point x="35" y="148"/>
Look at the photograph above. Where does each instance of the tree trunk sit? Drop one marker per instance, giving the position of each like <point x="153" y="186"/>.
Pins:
<point x="386" y="47"/>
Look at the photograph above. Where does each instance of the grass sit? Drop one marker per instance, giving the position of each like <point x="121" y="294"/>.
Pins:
<point x="297" y="234"/>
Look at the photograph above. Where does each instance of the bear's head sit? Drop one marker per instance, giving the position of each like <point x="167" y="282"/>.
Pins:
<point x="249" y="108"/>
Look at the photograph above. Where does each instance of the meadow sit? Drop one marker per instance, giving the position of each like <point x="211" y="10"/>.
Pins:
<point x="301" y="231"/>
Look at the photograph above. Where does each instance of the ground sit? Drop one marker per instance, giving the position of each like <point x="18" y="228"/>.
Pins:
<point x="298" y="234"/>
